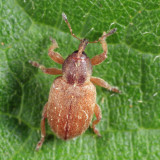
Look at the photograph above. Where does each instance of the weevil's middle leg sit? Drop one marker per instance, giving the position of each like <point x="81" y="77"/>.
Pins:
<point x="101" y="57"/>
<point x="52" y="71"/>
<point x="43" y="130"/>
<point x="55" y="55"/>
<point x="98" y="114"/>
<point x="103" y="83"/>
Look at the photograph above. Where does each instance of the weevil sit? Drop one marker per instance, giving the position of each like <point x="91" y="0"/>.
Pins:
<point x="72" y="97"/>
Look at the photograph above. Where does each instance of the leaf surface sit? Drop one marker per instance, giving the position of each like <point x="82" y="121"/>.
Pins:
<point x="130" y="125"/>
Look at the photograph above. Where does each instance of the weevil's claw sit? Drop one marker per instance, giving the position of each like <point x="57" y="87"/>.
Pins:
<point x="116" y="90"/>
<point x="54" y="43"/>
<point x="112" y="31"/>
<point x="36" y="64"/>
<point x="96" y="132"/>
<point x="39" y="145"/>
<point x="105" y="35"/>
<point x="33" y="63"/>
<point x="99" y="135"/>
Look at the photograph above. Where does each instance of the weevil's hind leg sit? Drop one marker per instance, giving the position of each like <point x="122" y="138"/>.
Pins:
<point x="55" y="56"/>
<point x="103" y="83"/>
<point x="52" y="71"/>
<point x="101" y="57"/>
<point x="43" y="130"/>
<point x="98" y="114"/>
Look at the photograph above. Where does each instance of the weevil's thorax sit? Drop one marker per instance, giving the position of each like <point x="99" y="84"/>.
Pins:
<point x="77" y="69"/>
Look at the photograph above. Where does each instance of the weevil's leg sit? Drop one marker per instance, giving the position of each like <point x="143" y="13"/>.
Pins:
<point x="55" y="55"/>
<point x="98" y="114"/>
<point x="103" y="83"/>
<point x="43" y="130"/>
<point x="53" y="71"/>
<point x="101" y="57"/>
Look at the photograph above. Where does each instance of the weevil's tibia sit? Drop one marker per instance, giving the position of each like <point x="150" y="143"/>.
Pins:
<point x="98" y="115"/>
<point x="101" y="57"/>
<point x="104" y="84"/>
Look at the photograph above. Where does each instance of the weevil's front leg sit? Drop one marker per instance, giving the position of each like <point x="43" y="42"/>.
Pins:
<point x="55" y="55"/>
<point x="102" y="83"/>
<point x="101" y="57"/>
<point x="98" y="114"/>
<point x="43" y="130"/>
<point x="53" y="71"/>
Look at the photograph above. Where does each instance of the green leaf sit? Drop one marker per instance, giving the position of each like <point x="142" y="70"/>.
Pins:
<point x="130" y="125"/>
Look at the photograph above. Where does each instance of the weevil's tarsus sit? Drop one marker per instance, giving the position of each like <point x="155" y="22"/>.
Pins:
<point x="69" y="26"/>
<point x="52" y="71"/>
<point x="105" y="35"/>
<point x="36" y="64"/>
<point x="43" y="129"/>
<point x="54" y="43"/>
<point x="55" y="56"/>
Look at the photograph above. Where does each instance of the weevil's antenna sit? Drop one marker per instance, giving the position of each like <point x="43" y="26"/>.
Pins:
<point x="69" y="26"/>
<point x="105" y="35"/>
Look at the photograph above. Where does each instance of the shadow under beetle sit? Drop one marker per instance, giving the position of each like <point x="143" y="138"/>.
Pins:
<point x="72" y="97"/>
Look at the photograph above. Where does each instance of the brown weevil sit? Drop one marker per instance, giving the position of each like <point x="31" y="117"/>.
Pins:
<point x="72" y="97"/>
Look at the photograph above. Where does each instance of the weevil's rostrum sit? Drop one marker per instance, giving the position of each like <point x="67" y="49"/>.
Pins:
<point x="72" y="97"/>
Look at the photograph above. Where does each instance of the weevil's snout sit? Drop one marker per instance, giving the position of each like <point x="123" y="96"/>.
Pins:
<point x="82" y="46"/>
<point x="85" y="41"/>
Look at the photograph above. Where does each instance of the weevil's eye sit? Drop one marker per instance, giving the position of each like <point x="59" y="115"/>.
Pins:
<point x="75" y="52"/>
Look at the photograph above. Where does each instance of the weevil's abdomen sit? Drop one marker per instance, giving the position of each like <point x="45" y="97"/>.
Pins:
<point x="77" y="68"/>
<point x="70" y="108"/>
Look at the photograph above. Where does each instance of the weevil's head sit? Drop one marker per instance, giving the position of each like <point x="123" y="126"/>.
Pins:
<point x="77" y="68"/>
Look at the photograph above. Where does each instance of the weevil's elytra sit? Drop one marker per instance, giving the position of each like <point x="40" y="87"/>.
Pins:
<point x="72" y="98"/>
<point x="70" y="112"/>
